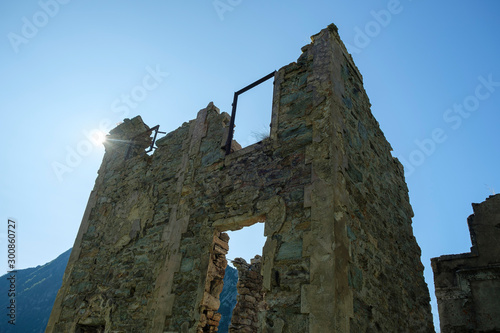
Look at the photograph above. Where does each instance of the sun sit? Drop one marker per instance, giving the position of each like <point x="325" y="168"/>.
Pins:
<point x="99" y="138"/>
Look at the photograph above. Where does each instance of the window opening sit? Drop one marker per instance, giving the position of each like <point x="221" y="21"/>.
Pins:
<point x="89" y="328"/>
<point x="248" y="113"/>
<point x="246" y="243"/>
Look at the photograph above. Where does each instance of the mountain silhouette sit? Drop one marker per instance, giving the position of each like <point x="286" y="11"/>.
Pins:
<point x="36" y="290"/>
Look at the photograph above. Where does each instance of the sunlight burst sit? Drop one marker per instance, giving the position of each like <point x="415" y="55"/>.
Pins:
<point x="99" y="138"/>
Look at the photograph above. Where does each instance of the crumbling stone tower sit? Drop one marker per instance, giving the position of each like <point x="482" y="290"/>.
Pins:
<point x="468" y="284"/>
<point x="340" y="255"/>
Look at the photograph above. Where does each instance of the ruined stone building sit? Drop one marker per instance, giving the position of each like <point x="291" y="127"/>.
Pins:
<point x="340" y="254"/>
<point x="251" y="297"/>
<point x="468" y="284"/>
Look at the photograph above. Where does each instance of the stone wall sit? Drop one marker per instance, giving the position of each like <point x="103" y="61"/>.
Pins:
<point x="340" y="253"/>
<point x="468" y="284"/>
<point x="250" y="301"/>
<point x="209" y="320"/>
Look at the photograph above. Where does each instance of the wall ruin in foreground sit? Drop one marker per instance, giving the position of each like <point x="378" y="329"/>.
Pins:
<point x="340" y="254"/>
<point x="468" y="284"/>
<point x="251" y="297"/>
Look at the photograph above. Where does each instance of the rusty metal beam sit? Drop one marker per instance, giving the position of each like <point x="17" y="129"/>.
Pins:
<point x="235" y="102"/>
<point x="151" y="147"/>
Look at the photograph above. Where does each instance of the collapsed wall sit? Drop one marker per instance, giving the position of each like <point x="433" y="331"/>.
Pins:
<point x="340" y="254"/>
<point x="250" y="300"/>
<point x="468" y="284"/>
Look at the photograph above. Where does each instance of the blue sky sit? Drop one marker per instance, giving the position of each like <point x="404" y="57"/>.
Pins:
<point x="430" y="69"/>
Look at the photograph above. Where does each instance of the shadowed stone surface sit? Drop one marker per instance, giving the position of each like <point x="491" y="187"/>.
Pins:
<point x="468" y="284"/>
<point x="340" y="254"/>
<point x="250" y="301"/>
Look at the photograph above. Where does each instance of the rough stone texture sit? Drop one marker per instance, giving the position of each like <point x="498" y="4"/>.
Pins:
<point x="209" y="320"/>
<point x="468" y="284"/>
<point x="250" y="301"/>
<point x="340" y="255"/>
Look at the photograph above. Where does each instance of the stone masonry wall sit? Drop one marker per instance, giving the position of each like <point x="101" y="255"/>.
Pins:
<point x="340" y="253"/>
<point x="468" y="284"/>
<point x="250" y="300"/>
<point x="209" y="319"/>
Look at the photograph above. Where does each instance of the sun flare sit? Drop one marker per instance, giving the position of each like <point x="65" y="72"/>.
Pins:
<point x="99" y="138"/>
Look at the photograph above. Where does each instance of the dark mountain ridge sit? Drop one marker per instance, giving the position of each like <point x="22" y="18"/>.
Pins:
<point x="36" y="290"/>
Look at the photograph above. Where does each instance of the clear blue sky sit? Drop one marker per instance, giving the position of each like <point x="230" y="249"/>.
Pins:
<point x="431" y="70"/>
